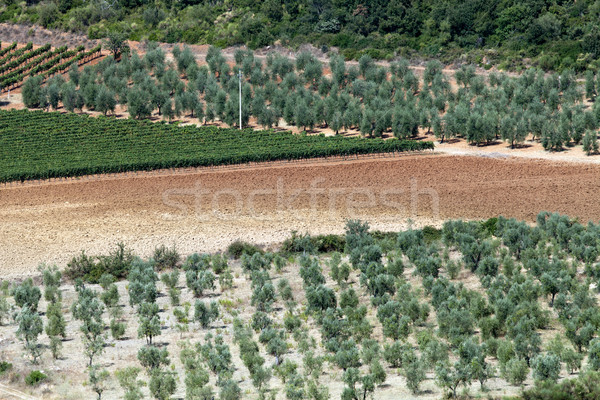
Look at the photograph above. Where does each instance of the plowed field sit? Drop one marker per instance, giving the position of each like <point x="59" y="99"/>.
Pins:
<point x="205" y="210"/>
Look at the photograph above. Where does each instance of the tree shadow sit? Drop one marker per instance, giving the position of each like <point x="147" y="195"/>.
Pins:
<point x="520" y="146"/>
<point x="451" y="140"/>
<point x="486" y="144"/>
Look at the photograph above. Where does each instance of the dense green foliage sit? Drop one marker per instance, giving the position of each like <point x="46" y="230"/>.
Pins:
<point x="38" y="145"/>
<point x="552" y="34"/>
<point x="35" y="377"/>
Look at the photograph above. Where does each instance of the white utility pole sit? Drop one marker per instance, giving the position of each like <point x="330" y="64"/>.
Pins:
<point x="240" y="79"/>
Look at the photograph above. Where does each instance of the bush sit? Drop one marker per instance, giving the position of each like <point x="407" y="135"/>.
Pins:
<point x="91" y="269"/>
<point x="584" y="387"/>
<point x="431" y="234"/>
<point x="5" y="366"/>
<point x="490" y="226"/>
<point x="165" y="258"/>
<point x="80" y="266"/>
<point x="35" y="377"/>
<point x="239" y="247"/>
<point x="546" y="367"/>
<point x="329" y="243"/>
<point x="298" y="244"/>
<point x="516" y="371"/>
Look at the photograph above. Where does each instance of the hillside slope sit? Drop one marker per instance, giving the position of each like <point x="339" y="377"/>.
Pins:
<point x="550" y="34"/>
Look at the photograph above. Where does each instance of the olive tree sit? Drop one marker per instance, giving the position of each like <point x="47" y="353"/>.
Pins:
<point x="88" y="309"/>
<point x="149" y="322"/>
<point x="30" y="326"/>
<point x="127" y="378"/>
<point x="27" y="295"/>
<point x="546" y="367"/>
<point x="55" y="327"/>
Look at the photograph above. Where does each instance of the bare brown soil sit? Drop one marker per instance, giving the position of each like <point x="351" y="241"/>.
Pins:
<point x="206" y="210"/>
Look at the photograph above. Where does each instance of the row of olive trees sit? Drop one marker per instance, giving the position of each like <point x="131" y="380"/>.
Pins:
<point x="371" y="98"/>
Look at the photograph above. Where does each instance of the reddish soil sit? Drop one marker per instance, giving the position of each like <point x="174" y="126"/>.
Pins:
<point x="206" y="210"/>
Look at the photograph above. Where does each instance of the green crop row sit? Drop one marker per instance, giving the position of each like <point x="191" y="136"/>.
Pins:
<point x="39" y="145"/>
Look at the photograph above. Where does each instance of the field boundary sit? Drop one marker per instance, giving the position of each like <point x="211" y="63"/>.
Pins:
<point x="218" y="168"/>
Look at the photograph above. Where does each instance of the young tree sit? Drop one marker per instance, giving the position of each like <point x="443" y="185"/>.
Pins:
<point x="414" y="371"/>
<point x="185" y="59"/>
<point x="71" y="97"/>
<point x="516" y="371"/>
<point x="54" y="94"/>
<point x="128" y="381"/>
<point x="51" y="278"/>
<point x="153" y="358"/>
<point x="98" y="379"/>
<point x="88" y="309"/>
<point x="139" y="103"/>
<point x="590" y="142"/>
<point x="206" y="314"/>
<point x="162" y="384"/>
<point x="594" y="354"/>
<point x="196" y="377"/>
<point x="74" y="74"/>
<point x="303" y="115"/>
<point x="30" y="326"/>
<point x="31" y="91"/>
<point x="590" y="85"/>
<point x="263" y="297"/>
<point x="171" y="279"/>
<point x="55" y="327"/>
<point x="27" y="295"/>
<point x="197" y="275"/>
<point x="142" y="283"/>
<point x="546" y="367"/>
<point x="451" y="376"/>
<point x="149" y="322"/>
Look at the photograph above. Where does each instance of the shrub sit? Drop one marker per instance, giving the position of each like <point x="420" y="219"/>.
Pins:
<point x="584" y="387"/>
<point x="329" y="243"/>
<point x="117" y="329"/>
<point x="239" y="247"/>
<point x="490" y="226"/>
<point x="431" y="234"/>
<point x="165" y="257"/>
<point x="117" y="263"/>
<point x="298" y="244"/>
<point x="91" y="269"/>
<point x="205" y="314"/>
<point x="128" y="381"/>
<point x="35" y="377"/>
<point x="546" y="367"/>
<point x="162" y="384"/>
<point x="516" y="371"/>
<point x="80" y="266"/>
<point x="5" y="366"/>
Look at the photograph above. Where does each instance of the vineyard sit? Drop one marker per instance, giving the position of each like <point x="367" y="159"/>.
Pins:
<point x="40" y="145"/>
<point x="18" y="64"/>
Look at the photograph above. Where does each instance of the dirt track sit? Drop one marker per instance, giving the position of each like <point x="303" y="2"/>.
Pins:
<point x="205" y="211"/>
